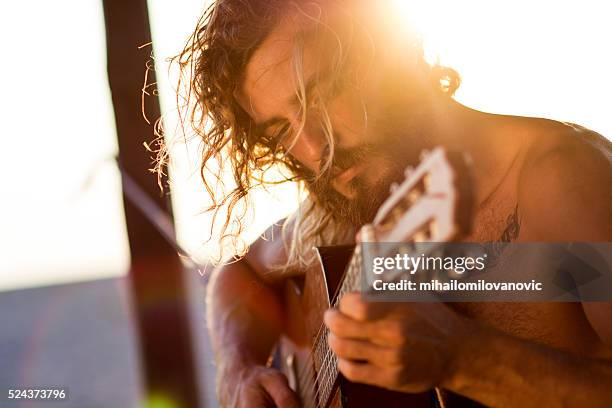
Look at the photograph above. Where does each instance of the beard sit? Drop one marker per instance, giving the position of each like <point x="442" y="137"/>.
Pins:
<point x="369" y="194"/>
<point x="354" y="212"/>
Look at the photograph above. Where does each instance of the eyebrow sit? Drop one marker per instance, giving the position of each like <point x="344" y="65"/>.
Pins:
<point x="310" y="84"/>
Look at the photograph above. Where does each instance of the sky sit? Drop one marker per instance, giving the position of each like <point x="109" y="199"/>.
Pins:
<point x="61" y="216"/>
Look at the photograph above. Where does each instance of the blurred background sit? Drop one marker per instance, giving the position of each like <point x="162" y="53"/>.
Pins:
<point x="92" y="294"/>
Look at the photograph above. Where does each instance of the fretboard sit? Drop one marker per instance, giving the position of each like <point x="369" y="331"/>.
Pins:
<point x="324" y="358"/>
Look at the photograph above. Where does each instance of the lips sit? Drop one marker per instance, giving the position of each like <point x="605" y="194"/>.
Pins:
<point x="342" y="181"/>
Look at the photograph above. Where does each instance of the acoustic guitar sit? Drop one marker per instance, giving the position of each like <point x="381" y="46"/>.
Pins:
<point x="432" y="204"/>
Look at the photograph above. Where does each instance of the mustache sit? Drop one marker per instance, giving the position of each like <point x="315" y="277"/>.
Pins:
<point x="345" y="158"/>
<point x="355" y="212"/>
<point x="342" y="159"/>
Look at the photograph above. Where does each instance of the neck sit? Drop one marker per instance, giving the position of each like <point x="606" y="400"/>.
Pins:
<point x="487" y="138"/>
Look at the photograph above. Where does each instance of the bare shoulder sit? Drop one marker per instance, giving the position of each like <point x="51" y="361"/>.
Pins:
<point x="565" y="185"/>
<point x="269" y="252"/>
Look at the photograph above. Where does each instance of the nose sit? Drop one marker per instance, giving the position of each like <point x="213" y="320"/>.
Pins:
<point x="309" y="145"/>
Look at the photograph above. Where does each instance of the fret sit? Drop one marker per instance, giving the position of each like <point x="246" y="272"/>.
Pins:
<point x="326" y="360"/>
<point x="329" y="376"/>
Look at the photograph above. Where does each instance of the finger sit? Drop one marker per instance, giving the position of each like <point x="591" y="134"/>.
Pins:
<point x="277" y="386"/>
<point x="256" y="397"/>
<point x="356" y="307"/>
<point x="367" y="233"/>
<point x="368" y="373"/>
<point x="364" y="351"/>
<point x="345" y="327"/>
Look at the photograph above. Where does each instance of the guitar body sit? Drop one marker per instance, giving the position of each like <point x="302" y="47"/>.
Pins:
<point x="307" y="301"/>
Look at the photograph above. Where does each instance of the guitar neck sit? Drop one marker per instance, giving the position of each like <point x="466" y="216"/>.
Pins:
<point x="325" y="360"/>
<point x="351" y="282"/>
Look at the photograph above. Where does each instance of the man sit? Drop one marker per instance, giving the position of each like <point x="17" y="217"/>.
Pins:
<point x="338" y="95"/>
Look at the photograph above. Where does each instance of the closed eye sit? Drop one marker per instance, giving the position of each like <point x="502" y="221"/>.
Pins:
<point x="277" y="134"/>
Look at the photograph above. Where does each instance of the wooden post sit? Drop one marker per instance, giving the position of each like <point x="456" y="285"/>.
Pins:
<point x="156" y="273"/>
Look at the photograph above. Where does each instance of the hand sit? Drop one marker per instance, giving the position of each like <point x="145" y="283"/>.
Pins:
<point x="406" y="347"/>
<point x="256" y="387"/>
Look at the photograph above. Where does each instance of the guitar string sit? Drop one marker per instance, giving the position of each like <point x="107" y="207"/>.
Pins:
<point x="322" y="376"/>
<point x="320" y="334"/>
<point x="326" y="374"/>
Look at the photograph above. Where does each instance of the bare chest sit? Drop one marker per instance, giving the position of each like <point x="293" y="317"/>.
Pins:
<point x="559" y="325"/>
<point x="497" y="221"/>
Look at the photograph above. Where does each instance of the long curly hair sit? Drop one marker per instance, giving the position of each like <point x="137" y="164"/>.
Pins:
<point x="212" y="65"/>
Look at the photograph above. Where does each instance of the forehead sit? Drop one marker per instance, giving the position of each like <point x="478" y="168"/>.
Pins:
<point x="270" y="76"/>
<point x="325" y="28"/>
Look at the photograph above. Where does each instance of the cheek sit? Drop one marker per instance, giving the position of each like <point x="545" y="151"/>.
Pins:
<point x="348" y="119"/>
<point x="379" y="169"/>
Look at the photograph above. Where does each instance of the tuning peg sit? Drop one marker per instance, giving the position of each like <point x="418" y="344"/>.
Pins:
<point x="393" y="188"/>
<point x="424" y="154"/>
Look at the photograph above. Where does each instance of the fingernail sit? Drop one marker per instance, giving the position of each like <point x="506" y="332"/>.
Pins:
<point x="327" y="315"/>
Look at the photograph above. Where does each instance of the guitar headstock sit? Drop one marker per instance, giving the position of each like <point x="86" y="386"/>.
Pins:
<point x="434" y="203"/>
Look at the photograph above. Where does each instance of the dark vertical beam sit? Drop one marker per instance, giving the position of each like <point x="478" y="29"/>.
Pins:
<point x="156" y="272"/>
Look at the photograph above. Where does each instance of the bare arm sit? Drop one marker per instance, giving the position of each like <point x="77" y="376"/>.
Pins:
<point x="566" y="195"/>
<point x="412" y="347"/>
<point x="503" y="371"/>
<point x="245" y="316"/>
